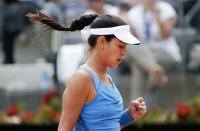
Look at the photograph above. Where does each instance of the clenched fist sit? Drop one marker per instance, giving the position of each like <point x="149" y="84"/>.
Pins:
<point x="137" y="108"/>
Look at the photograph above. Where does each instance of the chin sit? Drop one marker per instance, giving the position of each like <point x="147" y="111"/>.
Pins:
<point x="114" y="66"/>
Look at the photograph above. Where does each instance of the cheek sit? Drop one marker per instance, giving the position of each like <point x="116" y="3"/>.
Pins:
<point x="112" y="55"/>
<point x="115" y="52"/>
<point x="111" y="51"/>
<point x="107" y="55"/>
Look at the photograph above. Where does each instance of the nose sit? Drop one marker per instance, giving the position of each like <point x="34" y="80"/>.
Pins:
<point x="123" y="52"/>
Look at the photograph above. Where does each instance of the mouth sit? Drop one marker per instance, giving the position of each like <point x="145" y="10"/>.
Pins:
<point x="119" y="60"/>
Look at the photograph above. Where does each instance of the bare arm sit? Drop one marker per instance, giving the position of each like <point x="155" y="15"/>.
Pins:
<point x="74" y="98"/>
<point x="166" y="27"/>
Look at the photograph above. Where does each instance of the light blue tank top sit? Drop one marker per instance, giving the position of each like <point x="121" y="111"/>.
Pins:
<point x="103" y="113"/>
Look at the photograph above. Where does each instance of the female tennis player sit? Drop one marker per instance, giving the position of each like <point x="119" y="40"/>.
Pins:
<point x="91" y="101"/>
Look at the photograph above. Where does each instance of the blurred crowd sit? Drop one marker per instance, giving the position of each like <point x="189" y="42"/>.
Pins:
<point x="153" y="22"/>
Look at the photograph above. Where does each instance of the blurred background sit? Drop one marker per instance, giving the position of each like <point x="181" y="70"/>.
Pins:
<point x="35" y="65"/>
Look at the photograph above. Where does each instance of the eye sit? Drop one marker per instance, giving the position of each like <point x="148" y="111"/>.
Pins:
<point x="121" y="47"/>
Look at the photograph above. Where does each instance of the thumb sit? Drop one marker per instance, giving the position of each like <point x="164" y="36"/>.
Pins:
<point x="140" y="99"/>
<point x="135" y="104"/>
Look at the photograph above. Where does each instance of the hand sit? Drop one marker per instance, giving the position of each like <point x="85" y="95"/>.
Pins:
<point x="137" y="108"/>
<point x="22" y="40"/>
<point x="157" y="11"/>
<point x="158" y="75"/>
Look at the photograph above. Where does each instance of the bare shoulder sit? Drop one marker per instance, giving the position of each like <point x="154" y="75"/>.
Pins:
<point x="81" y="81"/>
<point x="77" y="91"/>
<point x="80" y="76"/>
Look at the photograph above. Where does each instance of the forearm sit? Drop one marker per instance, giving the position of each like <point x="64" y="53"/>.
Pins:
<point x="165" y="27"/>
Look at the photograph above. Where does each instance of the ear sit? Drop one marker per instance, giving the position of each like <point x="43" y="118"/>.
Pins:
<point x="101" y="41"/>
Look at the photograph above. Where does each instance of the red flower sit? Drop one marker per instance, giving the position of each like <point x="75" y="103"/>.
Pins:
<point x="13" y="110"/>
<point x="27" y="116"/>
<point x="49" y="95"/>
<point x="182" y="111"/>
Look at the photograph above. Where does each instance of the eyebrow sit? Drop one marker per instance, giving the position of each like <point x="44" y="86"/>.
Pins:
<point x="123" y="43"/>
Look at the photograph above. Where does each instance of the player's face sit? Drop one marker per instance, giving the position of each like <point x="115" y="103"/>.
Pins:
<point x="113" y="52"/>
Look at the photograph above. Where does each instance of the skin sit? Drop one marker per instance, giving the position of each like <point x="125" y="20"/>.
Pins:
<point x="97" y="6"/>
<point x="166" y="27"/>
<point x="81" y="88"/>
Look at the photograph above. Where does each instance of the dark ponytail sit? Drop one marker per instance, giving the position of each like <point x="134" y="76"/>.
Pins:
<point x="51" y="23"/>
<point x="103" y="21"/>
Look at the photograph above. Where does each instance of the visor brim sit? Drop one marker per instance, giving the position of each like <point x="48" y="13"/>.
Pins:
<point x="127" y="38"/>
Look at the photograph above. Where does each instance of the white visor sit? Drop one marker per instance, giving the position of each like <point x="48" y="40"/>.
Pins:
<point x="123" y="33"/>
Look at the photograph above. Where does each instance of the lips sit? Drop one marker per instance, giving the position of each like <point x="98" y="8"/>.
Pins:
<point x="119" y="60"/>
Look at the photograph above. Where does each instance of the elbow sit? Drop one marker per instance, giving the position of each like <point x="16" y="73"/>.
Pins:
<point x="166" y="35"/>
<point x="166" y="32"/>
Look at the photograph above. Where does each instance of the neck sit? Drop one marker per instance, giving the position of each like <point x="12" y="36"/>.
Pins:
<point x="149" y="6"/>
<point x="100" y="11"/>
<point x="96" y="64"/>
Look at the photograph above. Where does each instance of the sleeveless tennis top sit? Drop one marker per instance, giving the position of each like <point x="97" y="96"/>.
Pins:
<point x="104" y="111"/>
